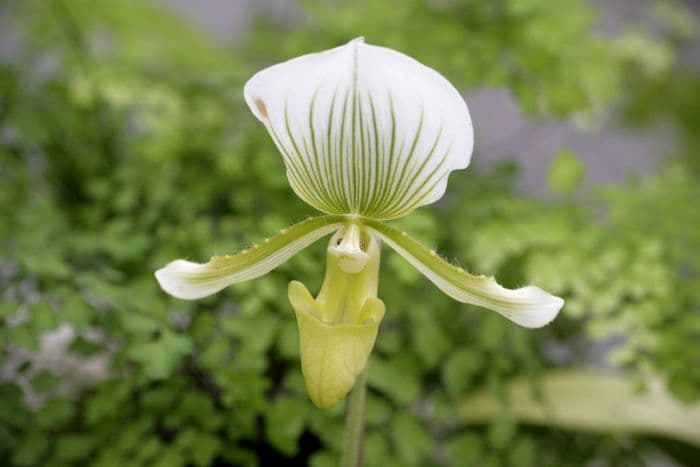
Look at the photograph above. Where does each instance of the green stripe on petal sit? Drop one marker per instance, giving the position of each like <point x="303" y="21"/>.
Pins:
<point x="528" y="306"/>
<point x="363" y="129"/>
<point x="188" y="280"/>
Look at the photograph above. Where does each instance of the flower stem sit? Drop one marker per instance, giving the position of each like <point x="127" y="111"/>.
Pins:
<point x="353" y="444"/>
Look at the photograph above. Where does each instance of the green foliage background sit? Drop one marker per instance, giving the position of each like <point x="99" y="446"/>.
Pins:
<point x="125" y="143"/>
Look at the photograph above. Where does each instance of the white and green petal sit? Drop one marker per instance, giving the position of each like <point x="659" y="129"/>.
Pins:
<point x="187" y="280"/>
<point x="527" y="306"/>
<point x="363" y="129"/>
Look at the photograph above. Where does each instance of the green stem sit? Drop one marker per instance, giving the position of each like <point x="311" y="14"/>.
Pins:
<point x="353" y="445"/>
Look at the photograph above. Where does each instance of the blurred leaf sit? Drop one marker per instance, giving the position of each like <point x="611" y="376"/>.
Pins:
<point x="413" y="442"/>
<point x="203" y="446"/>
<point x="24" y="336"/>
<point x="459" y="370"/>
<point x="72" y="448"/>
<point x="43" y="317"/>
<point x="30" y="449"/>
<point x="54" y="413"/>
<point x="160" y="356"/>
<point x="464" y="449"/>
<point x="565" y="172"/>
<point x="12" y="410"/>
<point x="568" y="403"/>
<point x="284" y="422"/>
<point x="396" y="377"/>
<point x="45" y="381"/>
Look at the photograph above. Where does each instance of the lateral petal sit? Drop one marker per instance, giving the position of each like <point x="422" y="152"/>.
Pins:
<point x="189" y="281"/>
<point x="529" y="306"/>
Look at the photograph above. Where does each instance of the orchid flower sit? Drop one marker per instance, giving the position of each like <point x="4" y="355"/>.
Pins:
<point x="367" y="134"/>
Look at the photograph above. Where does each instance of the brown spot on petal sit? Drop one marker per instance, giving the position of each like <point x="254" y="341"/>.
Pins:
<point x="261" y="107"/>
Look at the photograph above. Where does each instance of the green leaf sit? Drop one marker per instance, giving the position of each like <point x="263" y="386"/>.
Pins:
<point x="501" y="431"/>
<point x="74" y="447"/>
<point x="30" y="449"/>
<point x="284" y="422"/>
<point x="429" y="339"/>
<point x="160" y="399"/>
<point x="12" y="406"/>
<point x="390" y="341"/>
<point x="108" y="402"/>
<point x="464" y="449"/>
<point x="137" y="323"/>
<point x="239" y="456"/>
<point x="567" y="403"/>
<point x="459" y="370"/>
<point x="288" y="340"/>
<point x="84" y="347"/>
<point x="170" y="458"/>
<point x="323" y="459"/>
<point x="328" y="428"/>
<point x="44" y="381"/>
<point x="257" y="331"/>
<point x="566" y="172"/>
<point x="377" y="447"/>
<point x="412" y="441"/>
<point x="398" y="377"/>
<point x="24" y="336"/>
<point x="377" y="410"/>
<point x="8" y="308"/>
<point x="205" y="447"/>
<point x="76" y="312"/>
<point x="160" y="357"/>
<point x="202" y="446"/>
<point x="132" y="436"/>
<point x="147" y="450"/>
<point x="523" y="453"/>
<point x="216" y="354"/>
<point x="43" y="317"/>
<point x="195" y="407"/>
